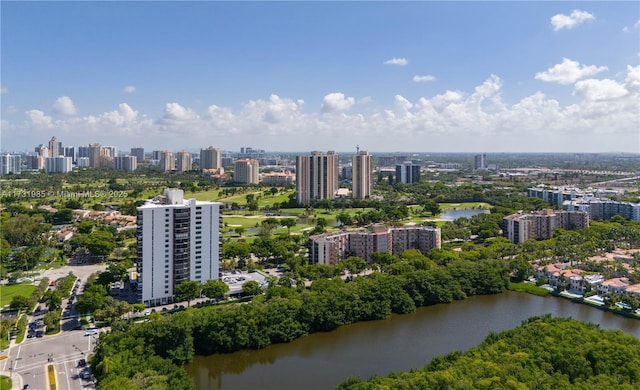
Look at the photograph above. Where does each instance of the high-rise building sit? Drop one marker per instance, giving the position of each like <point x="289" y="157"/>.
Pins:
<point x="183" y="161"/>
<point x="83" y="162"/>
<point x="156" y="154"/>
<point x="362" y="164"/>
<point x="10" y="163"/>
<point x="480" y="162"/>
<point x="110" y="151"/>
<point x="138" y="153"/>
<point x="55" y="148"/>
<point x="58" y="164"/>
<point x="246" y="171"/>
<point x="210" y="158"/>
<point x="96" y="156"/>
<point x="167" y="161"/>
<point x="42" y="150"/>
<point x="178" y="240"/>
<point x="125" y="163"/>
<point x="316" y="176"/>
<point x="408" y="172"/>
<point x="35" y="161"/>
<point x="70" y="151"/>
<point x="83" y="151"/>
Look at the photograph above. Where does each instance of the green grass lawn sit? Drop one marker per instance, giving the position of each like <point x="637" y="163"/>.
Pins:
<point x="5" y="382"/>
<point x="278" y="198"/>
<point x="9" y="291"/>
<point x="210" y="195"/>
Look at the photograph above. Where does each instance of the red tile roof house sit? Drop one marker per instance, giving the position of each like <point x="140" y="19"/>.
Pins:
<point x="615" y="285"/>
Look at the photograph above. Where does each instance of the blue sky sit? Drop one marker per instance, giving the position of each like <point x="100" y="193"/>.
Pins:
<point x="300" y="76"/>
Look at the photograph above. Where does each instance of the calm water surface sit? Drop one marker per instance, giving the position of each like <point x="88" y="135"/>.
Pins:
<point x="402" y="342"/>
<point x="453" y="214"/>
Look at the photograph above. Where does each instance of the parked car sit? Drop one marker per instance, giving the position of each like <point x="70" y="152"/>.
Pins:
<point x="82" y="362"/>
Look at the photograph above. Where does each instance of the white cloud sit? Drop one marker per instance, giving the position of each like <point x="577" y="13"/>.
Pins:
<point x="4" y="90"/>
<point x="176" y="112"/>
<point x="568" y="72"/>
<point x="422" y="79"/>
<point x="336" y="102"/>
<point x="64" y="105"/>
<point x="592" y="89"/>
<point x="129" y="89"/>
<point x="38" y="119"/>
<point x="452" y="120"/>
<point x="402" y="103"/>
<point x="632" y="81"/>
<point x="636" y="26"/>
<point x="576" y="17"/>
<point x="397" y="61"/>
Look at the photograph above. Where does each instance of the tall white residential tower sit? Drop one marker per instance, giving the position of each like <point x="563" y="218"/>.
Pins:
<point x="178" y="240"/>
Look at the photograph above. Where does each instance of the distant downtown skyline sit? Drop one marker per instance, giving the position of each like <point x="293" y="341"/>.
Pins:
<point x="430" y="76"/>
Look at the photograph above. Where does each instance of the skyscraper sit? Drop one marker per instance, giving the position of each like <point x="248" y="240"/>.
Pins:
<point x="55" y="148"/>
<point x="10" y="163"/>
<point x="167" y="161"/>
<point x="70" y="151"/>
<point x="210" y="158"/>
<point x="183" y="161"/>
<point x="138" y="153"/>
<point x="96" y="155"/>
<point x="246" y="171"/>
<point x="362" y="164"/>
<point x="480" y="162"/>
<point x="59" y="164"/>
<point x="178" y="240"/>
<point x="125" y="163"/>
<point x="316" y="176"/>
<point x="408" y="172"/>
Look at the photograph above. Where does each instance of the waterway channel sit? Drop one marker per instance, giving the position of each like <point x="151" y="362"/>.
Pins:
<point x="402" y="342"/>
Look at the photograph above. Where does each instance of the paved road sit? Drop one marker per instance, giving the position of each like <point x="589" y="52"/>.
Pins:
<point x="30" y="359"/>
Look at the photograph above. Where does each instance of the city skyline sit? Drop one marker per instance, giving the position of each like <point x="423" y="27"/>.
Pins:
<point x="301" y="76"/>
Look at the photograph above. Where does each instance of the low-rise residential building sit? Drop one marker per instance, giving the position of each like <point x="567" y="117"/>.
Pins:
<point x="284" y="178"/>
<point x="330" y="248"/>
<point x="541" y="224"/>
<point x="615" y="285"/>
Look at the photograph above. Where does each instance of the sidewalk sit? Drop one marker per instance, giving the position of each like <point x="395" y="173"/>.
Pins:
<point x="16" y="379"/>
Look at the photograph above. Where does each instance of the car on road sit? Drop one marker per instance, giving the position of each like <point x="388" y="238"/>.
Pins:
<point x="91" y="332"/>
<point x="85" y="373"/>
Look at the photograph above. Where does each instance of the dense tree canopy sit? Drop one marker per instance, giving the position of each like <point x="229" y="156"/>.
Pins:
<point x="544" y="352"/>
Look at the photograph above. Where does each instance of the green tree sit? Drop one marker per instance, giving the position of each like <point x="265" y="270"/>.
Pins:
<point x="251" y="287"/>
<point x="53" y="299"/>
<point x="214" y="289"/>
<point x="188" y="291"/>
<point x="100" y="243"/>
<point x="19" y="302"/>
<point x="354" y="264"/>
<point x="288" y="223"/>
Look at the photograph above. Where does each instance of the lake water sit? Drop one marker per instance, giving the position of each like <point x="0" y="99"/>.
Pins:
<point x="453" y="214"/>
<point x="402" y="342"/>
